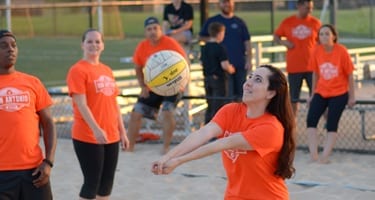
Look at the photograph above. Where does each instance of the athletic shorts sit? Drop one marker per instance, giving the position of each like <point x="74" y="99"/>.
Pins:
<point x="149" y="107"/>
<point x="19" y="185"/>
<point x="188" y="35"/>
<point x="295" y="83"/>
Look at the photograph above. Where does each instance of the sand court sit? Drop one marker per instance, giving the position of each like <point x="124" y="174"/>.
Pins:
<point x="348" y="176"/>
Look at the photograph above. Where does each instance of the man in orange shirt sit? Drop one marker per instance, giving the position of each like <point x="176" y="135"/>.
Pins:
<point x="148" y="102"/>
<point x="24" y="107"/>
<point x="300" y="32"/>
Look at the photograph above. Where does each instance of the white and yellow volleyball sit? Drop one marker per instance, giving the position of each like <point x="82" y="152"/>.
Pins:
<point x="166" y="72"/>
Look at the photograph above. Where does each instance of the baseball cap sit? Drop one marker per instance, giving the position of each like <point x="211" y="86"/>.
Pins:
<point x="6" y="33"/>
<point x="151" y="20"/>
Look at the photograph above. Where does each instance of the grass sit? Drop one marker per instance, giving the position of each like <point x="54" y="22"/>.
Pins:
<point x="50" y="58"/>
<point x="50" y="43"/>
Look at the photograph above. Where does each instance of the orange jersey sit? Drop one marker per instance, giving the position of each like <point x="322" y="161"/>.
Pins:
<point x="99" y="86"/>
<point x="251" y="173"/>
<point x="332" y="69"/>
<point x="21" y="97"/>
<point x="145" y="49"/>
<point x="303" y="33"/>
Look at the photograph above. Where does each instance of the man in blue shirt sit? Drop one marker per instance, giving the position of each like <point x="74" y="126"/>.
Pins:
<point x="237" y="44"/>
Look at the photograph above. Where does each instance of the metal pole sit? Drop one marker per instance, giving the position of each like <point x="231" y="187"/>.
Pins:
<point x="272" y="4"/>
<point x="204" y="11"/>
<point x="90" y="15"/>
<point x="333" y="11"/>
<point x="372" y="18"/>
<point x="100" y="17"/>
<point x="8" y="15"/>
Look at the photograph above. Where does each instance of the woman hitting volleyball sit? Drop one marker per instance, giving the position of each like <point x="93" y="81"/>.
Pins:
<point x="256" y="138"/>
<point x="98" y="127"/>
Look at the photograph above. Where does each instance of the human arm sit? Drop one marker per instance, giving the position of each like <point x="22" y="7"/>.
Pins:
<point x="186" y="26"/>
<point x="313" y="86"/>
<point x="288" y="44"/>
<point x="49" y="139"/>
<point x="249" y="56"/>
<point x="351" y="100"/>
<point x="225" y="65"/>
<point x="191" y="142"/>
<point x="141" y="81"/>
<point x="235" y="141"/>
<point x="81" y="102"/>
<point x="122" y="131"/>
<point x="165" y="27"/>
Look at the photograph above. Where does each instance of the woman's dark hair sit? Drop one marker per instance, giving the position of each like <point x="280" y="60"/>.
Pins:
<point x="332" y="29"/>
<point x="280" y="106"/>
<point x="91" y="30"/>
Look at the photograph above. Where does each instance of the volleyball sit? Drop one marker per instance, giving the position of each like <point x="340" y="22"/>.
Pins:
<point x="166" y="72"/>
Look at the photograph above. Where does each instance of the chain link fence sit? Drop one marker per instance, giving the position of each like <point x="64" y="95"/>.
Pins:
<point x="356" y="128"/>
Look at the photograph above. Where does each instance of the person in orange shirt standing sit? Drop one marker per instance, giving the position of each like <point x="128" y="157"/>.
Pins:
<point x="300" y="32"/>
<point x="256" y="138"/>
<point x="24" y="110"/>
<point x="98" y="126"/>
<point x="148" y="102"/>
<point x="333" y="86"/>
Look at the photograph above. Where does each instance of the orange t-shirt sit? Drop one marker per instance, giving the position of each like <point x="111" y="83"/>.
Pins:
<point x="251" y="173"/>
<point x="145" y="49"/>
<point x="99" y="86"/>
<point x="21" y="97"/>
<point x="303" y="33"/>
<point x="333" y="70"/>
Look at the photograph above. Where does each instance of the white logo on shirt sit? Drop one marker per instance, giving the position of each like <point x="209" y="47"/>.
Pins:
<point x="105" y="85"/>
<point x="301" y="32"/>
<point x="13" y="99"/>
<point x="232" y="154"/>
<point x="234" y="26"/>
<point x="328" y="71"/>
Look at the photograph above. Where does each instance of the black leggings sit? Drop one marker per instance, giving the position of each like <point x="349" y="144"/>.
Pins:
<point x="98" y="164"/>
<point x="318" y="105"/>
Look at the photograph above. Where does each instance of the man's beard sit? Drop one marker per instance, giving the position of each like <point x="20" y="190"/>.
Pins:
<point x="226" y="11"/>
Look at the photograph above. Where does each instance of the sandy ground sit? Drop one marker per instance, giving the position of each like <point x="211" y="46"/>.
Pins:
<point x="348" y="176"/>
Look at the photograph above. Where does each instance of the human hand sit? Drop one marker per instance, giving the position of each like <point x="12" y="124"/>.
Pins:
<point x="157" y="166"/>
<point x="169" y="32"/>
<point x="288" y="44"/>
<point x="170" y="165"/>
<point x="124" y="141"/>
<point x="231" y="69"/>
<point x="249" y="67"/>
<point x="144" y="92"/>
<point x="41" y="174"/>
<point x="351" y="102"/>
<point x="100" y="136"/>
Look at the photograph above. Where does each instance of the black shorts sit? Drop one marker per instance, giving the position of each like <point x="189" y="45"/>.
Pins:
<point x="19" y="185"/>
<point x="295" y="83"/>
